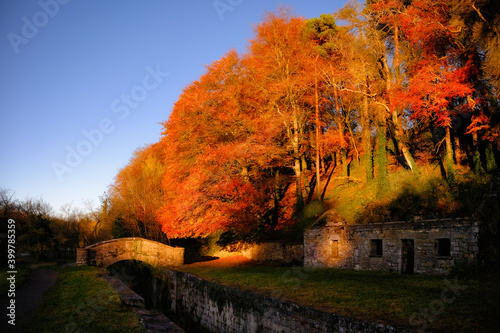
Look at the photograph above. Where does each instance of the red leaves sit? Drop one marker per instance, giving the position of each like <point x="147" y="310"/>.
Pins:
<point x="219" y="142"/>
<point x="239" y="143"/>
<point x="230" y="128"/>
<point x="426" y="23"/>
<point x="434" y="87"/>
<point x="436" y="84"/>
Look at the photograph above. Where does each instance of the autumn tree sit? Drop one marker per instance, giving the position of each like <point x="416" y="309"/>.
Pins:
<point x="281" y="61"/>
<point x="429" y="78"/>
<point x="218" y="146"/>
<point x="478" y="25"/>
<point x="385" y="25"/>
<point x="438" y="81"/>
<point x="330" y="68"/>
<point x="137" y="194"/>
<point x="478" y="36"/>
<point x="365" y="51"/>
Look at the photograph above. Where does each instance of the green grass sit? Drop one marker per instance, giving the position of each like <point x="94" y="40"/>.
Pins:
<point x="22" y="276"/>
<point x="376" y="296"/>
<point x="424" y="195"/>
<point x="80" y="301"/>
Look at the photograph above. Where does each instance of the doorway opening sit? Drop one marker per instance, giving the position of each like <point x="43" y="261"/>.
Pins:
<point x="407" y="256"/>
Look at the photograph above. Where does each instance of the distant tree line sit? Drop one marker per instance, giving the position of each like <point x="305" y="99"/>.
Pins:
<point x="43" y="234"/>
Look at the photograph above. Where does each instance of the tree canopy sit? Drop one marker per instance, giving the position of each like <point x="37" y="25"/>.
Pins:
<point x="396" y="85"/>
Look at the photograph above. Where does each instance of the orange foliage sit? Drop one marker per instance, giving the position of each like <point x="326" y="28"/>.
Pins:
<point x="436" y="79"/>
<point x="217" y="142"/>
<point x="137" y="194"/>
<point x="237" y="151"/>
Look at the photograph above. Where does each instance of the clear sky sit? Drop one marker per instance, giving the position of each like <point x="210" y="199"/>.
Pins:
<point x="84" y="83"/>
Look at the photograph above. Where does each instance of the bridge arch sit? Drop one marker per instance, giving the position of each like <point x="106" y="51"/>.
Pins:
<point x="106" y="253"/>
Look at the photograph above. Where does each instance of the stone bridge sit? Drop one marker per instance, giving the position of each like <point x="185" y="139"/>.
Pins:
<point x="104" y="254"/>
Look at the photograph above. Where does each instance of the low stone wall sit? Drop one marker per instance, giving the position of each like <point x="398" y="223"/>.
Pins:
<point x="201" y="306"/>
<point x="267" y="251"/>
<point x="424" y="246"/>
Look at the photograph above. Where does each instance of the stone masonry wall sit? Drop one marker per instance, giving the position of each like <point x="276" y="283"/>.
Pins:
<point x="266" y="251"/>
<point x="352" y="246"/>
<point x="201" y="306"/>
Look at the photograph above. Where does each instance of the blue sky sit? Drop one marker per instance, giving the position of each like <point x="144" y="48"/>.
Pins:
<point x="85" y="83"/>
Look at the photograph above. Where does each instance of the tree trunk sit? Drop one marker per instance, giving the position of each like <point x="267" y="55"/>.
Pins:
<point x="400" y="140"/>
<point x="491" y="164"/>
<point x="297" y="168"/>
<point x="244" y="174"/>
<point x="450" y="169"/>
<point x="458" y="152"/>
<point x="340" y="124"/>
<point x="277" y="193"/>
<point x="318" y="180"/>
<point x="476" y="155"/>
<point x="397" y="118"/>
<point x="366" y="159"/>
<point x="381" y="158"/>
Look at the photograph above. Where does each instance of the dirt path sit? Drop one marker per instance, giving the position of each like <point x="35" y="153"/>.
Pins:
<point x="224" y="262"/>
<point x="27" y="299"/>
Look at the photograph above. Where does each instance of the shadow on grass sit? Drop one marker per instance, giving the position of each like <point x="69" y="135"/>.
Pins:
<point x="409" y="302"/>
<point x="428" y="197"/>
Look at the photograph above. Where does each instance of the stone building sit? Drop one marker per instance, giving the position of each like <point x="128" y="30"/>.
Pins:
<point x="423" y="246"/>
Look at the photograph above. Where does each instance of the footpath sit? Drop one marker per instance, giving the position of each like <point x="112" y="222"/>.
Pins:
<point x="28" y="298"/>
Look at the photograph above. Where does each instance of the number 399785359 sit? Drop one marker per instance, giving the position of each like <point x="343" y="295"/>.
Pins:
<point x="11" y="248"/>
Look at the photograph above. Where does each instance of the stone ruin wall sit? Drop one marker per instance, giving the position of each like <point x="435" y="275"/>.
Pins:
<point x="350" y="246"/>
<point x="288" y="253"/>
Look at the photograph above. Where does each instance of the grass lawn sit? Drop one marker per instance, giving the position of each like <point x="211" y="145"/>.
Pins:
<point x="418" y="302"/>
<point x="80" y="301"/>
<point x="22" y="276"/>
